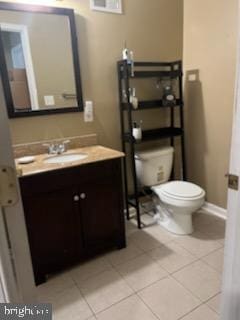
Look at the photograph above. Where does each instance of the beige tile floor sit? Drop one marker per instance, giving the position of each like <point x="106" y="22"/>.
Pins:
<point x="158" y="276"/>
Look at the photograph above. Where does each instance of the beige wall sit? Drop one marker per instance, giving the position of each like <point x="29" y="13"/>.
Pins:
<point x="210" y="31"/>
<point x="153" y="29"/>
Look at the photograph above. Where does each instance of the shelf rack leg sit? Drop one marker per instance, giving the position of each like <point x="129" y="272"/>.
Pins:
<point x="132" y="145"/>
<point x="183" y="157"/>
<point x="135" y="186"/>
<point x="182" y="126"/>
<point x="125" y="184"/>
<point x="132" y="152"/>
<point x="123" y="143"/>
<point x="172" y="123"/>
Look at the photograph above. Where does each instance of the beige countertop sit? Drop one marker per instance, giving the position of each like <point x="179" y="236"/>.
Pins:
<point x="94" y="154"/>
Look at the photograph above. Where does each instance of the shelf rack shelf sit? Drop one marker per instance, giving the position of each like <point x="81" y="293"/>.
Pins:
<point x="149" y="104"/>
<point x="147" y="70"/>
<point x="155" y="134"/>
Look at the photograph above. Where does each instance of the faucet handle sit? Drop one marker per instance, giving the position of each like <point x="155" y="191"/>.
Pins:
<point x="50" y="147"/>
<point x="54" y="148"/>
<point x="62" y="146"/>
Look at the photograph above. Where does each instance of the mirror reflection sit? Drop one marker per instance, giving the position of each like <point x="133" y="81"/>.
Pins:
<point x="39" y="60"/>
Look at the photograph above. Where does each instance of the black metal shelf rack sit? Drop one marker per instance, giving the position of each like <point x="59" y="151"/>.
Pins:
<point x="158" y="70"/>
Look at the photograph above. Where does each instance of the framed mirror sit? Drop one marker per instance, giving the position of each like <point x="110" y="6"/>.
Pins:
<point x="39" y="60"/>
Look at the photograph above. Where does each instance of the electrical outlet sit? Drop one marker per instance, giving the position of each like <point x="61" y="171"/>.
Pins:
<point x="49" y="100"/>
<point x="88" y="111"/>
<point x="114" y="6"/>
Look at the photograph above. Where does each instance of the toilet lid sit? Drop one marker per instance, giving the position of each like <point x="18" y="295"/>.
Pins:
<point x="182" y="190"/>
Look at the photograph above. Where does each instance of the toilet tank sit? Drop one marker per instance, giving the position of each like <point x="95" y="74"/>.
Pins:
<point x="154" y="166"/>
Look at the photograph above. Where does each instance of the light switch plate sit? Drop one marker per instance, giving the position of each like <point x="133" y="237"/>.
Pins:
<point x="88" y="111"/>
<point x="49" y="100"/>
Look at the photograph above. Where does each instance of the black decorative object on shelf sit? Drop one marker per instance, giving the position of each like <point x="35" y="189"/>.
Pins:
<point x="166" y="73"/>
<point x="169" y="99"/>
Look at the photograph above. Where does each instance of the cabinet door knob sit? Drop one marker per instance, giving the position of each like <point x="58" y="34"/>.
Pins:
<point x="82" y="195"/>
<point x="76" y="198"/>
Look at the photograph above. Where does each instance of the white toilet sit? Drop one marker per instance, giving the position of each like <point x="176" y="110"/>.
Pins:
<point x="176" y="200"/>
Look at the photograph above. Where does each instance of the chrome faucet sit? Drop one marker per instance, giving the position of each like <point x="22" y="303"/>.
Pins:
<point x="56" y="148"/>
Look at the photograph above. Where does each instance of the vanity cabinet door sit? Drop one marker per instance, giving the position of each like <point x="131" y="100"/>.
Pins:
<point x="73" y="214"/>
<point x="102" y="212"/>
<point x="53" y="223"/>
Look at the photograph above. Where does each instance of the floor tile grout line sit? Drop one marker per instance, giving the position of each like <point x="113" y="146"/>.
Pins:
<point x="158" y="247"/>
<point x="176" y="241"/>
<point x="195" y="254"/>
<point x="74" y="285"/>
<point x="192" y="293"/>
<point x="202" y="259"/>
<point x="153" y="283"/>
<point x="195" y="308"/>
<point x="188" y="290"/>
<point x="93" y="274"/>
<point x="180" y="268"/>
<point x="114" y="268"/>
<point x="202" y="304"/>
<point x="95" y="313"/>
<point x="214" y="269"/>
<point x="218" y="313"/>
<point x="147" y="306"/>
<point x="144" y="250"/>
<point x="222" y="248"/>
<point x="83" y="296"/>
<point x="136" y="291"/>
<point x="195" y="261"/>
<point x="130" y="259"/>
<point x="213" y="298"/>
<point x="115" y="303"/>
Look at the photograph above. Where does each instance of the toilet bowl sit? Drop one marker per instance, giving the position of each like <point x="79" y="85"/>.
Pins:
<point x="178" y="200"/>
<point x="175" y="201"/>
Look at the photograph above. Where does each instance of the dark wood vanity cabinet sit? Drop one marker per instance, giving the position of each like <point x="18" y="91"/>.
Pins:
<point x="72" y="214"/>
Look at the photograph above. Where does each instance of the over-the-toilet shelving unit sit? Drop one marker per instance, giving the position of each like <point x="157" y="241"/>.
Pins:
<point x="147" y="70"/>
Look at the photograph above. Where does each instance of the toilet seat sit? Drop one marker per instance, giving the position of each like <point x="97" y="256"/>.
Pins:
<point x="180" y="190"/>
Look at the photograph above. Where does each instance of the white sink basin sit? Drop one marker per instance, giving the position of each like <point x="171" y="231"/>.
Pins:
<point x="63" y="158"/>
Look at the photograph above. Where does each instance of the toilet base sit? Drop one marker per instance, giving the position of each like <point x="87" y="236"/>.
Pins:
<point x="178" y="223"/>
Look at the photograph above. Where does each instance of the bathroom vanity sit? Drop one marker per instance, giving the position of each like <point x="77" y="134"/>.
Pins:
<point x="73" y="211"/>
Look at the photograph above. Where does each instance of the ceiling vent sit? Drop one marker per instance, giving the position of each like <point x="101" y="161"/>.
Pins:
<point x="114" y="6"/>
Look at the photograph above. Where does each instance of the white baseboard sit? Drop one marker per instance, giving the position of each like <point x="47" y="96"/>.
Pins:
<point x="215" y="210"/>
<point x="209" y="207"/>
